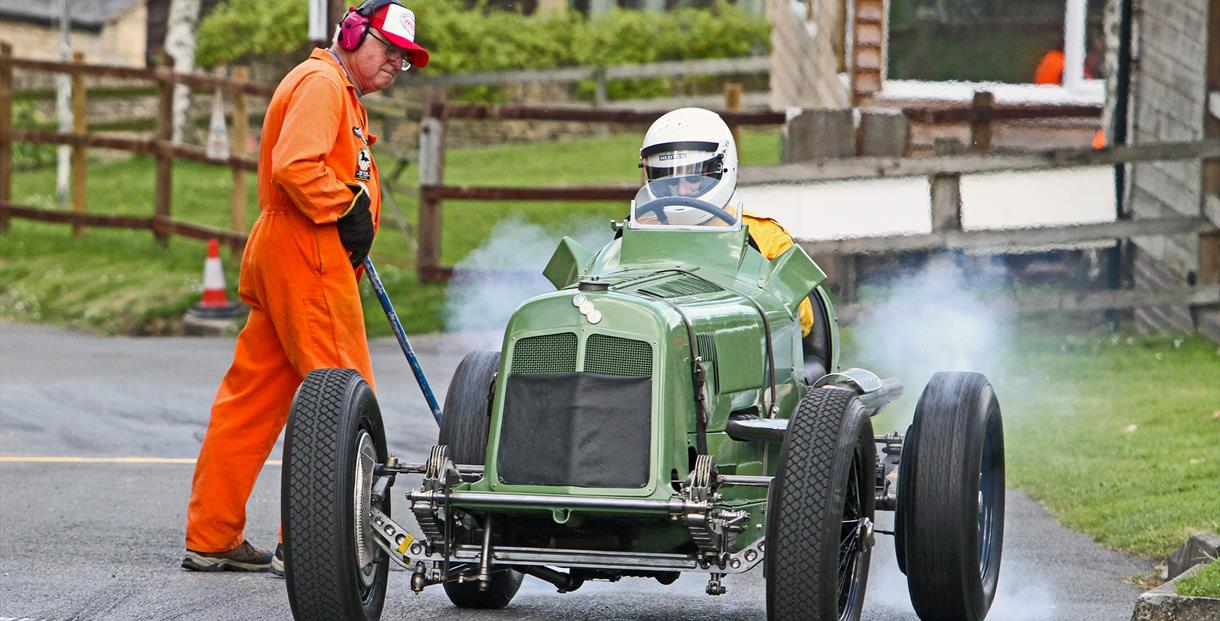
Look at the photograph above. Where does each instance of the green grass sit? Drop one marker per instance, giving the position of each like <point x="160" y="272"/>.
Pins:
<point x="1204" y="583"/>
<point x="46" y="275"/>
<point x="1115" y="435"/>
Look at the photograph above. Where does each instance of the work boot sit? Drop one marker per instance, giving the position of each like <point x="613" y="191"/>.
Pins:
<point x="277" y="561"/>
<point x="244" y="557"/>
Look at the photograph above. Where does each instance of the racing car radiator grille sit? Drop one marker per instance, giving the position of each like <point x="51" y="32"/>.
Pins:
<point x="616" y="356"/>
<point x="549" y="353"/>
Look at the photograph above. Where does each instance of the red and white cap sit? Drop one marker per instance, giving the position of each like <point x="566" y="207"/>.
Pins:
<point x="397" y="23"/>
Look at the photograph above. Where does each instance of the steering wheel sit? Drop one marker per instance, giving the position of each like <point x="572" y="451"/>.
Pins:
<point x="657" y="206"/>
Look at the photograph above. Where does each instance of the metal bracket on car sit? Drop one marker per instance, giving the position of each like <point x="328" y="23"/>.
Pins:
<point x="440" y="475"/>
<point x="713" y="529"/>
<point x="399" y="544"/>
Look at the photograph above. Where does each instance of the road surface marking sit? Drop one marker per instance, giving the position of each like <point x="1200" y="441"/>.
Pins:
<point x="27" y="459"/>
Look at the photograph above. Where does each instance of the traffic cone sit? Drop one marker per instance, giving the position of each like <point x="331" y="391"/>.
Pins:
<point x="214" y="304"/>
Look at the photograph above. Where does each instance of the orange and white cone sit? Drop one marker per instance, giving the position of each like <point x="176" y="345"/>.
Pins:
<point x="213" y="279"/>
<point x="215" y="302"/>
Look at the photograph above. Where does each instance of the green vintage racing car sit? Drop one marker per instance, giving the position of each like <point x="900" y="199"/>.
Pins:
<point x="658" y="413"/>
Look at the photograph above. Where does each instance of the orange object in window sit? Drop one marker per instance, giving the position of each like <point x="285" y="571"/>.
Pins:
<point x="1050" y="68"/>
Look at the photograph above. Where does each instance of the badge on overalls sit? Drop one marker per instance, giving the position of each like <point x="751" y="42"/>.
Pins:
<point x="363" y="163"/>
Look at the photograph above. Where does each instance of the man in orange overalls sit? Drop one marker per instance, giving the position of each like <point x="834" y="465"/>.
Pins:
<point x="320" y="200"/>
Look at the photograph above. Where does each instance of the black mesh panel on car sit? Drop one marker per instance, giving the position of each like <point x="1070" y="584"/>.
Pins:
<point x="617" y="356"/>
<point x="549" y="353"/>
<point x="579" y="429"/>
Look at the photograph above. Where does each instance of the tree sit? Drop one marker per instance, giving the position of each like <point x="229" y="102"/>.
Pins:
<point x="180" y="44"/>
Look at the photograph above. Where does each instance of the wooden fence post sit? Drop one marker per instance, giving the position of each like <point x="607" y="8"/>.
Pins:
<point x="946" y="191"/>
<point x="431" y="175"/>
<point x="1209" y="258"/>
<point x="980" y="126"/>
<point x="165" y="163"/>
<point x="241" y="130"/>
<point x="732" y="103"/>
<point x="80" y="127"/>
<point x="6" y="127"/>
<point x="601" y="94"/>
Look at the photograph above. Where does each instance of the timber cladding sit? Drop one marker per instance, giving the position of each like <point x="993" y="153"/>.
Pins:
<point x="1168" y="98"/>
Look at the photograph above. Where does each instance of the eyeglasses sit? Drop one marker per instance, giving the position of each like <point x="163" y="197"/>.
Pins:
<point x="392" y="52"/>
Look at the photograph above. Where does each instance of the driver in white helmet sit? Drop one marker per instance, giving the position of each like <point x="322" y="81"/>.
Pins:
<point x="690" y="152"/>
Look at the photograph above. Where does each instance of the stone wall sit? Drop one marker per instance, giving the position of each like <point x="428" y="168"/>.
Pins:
<point x="119" y="42"/>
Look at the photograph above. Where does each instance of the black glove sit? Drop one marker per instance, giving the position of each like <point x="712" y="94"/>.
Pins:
<point x="356" y="225"/>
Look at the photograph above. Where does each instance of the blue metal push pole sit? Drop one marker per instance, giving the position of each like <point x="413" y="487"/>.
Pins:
<point x="402" y="339"/>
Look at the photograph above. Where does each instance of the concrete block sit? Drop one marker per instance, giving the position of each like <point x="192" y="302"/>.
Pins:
<point x="818" y="134"/>
<point x="884" y="133"/>
<point x="1164" y="604"/>
<point x="1200" y="548"/>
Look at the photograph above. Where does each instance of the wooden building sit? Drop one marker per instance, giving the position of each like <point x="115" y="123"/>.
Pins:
<point x="1174" y="96"/>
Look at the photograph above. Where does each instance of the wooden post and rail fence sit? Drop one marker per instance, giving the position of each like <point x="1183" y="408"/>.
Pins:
<point x="161" y="223"/>
<point x="878" y="147"/>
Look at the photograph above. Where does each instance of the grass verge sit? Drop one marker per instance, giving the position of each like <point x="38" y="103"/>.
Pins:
<point x="1204" y="583"/>
<point x="1114" y="434"/>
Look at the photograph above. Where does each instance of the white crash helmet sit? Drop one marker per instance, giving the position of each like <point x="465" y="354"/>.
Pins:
<point x="696" y="144"/>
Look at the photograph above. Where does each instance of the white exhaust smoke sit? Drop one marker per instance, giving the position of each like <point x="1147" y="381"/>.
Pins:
<point x="940" y="319"/>
<point x="506" y="270"/>
<point x="936" y="320"/>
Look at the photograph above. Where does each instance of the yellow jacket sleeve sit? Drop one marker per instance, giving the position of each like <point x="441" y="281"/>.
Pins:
<point x="773" y="240"/>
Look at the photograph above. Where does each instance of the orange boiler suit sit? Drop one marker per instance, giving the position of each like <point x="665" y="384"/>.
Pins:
<point x="297" y="278"/>
<point x="773" y="239"/>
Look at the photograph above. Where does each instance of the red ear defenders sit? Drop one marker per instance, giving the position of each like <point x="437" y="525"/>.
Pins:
<point x="355" y="25"/>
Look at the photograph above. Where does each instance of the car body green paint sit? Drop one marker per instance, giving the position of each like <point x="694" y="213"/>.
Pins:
<point x="652" y="278"/>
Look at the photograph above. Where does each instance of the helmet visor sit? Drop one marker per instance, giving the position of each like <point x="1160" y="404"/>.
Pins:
<point x="682" y="164"/>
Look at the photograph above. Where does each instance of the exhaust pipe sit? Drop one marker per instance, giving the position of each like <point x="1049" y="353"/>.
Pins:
<point x="564" y="582"/>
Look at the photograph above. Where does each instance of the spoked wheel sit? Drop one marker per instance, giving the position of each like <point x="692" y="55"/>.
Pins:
<point x="333" y="567"/>
<point x="950" y="519"/>
<point x="464" y="431"/>
<point x="820" y="512"/>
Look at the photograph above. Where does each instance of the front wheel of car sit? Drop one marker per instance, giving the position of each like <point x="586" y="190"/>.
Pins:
<point x="950" y="516"/>
<point x="333" y="567"/>
<point x="464" y="430"/>
<point x="820" y="513"/>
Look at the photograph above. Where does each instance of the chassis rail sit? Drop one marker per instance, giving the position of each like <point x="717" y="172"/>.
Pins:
<point x="416" y="552"/>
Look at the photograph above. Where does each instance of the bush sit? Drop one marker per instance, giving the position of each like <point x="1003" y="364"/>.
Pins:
<point x="240" y="31"/>
<point x="26" y="155"/>
<point x="467" y="40"/>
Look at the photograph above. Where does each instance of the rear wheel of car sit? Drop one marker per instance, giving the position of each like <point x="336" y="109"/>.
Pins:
<point x="333" y="567"/>
<point x="464" y="429"/>
<point x="820" y="510"/>
<point x="950" y="520"/>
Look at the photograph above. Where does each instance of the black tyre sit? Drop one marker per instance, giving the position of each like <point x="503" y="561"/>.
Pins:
<point x="333" y="568"/>
<point x="464" y="430"/>
<point x="820" y="513"/>
<point x="950" y="520"/>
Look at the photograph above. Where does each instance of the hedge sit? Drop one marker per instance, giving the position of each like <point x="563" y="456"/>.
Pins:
<point x="465" y="40"/>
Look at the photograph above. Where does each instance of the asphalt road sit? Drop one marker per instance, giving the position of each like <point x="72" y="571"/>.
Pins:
<point x="102" y="539"/>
